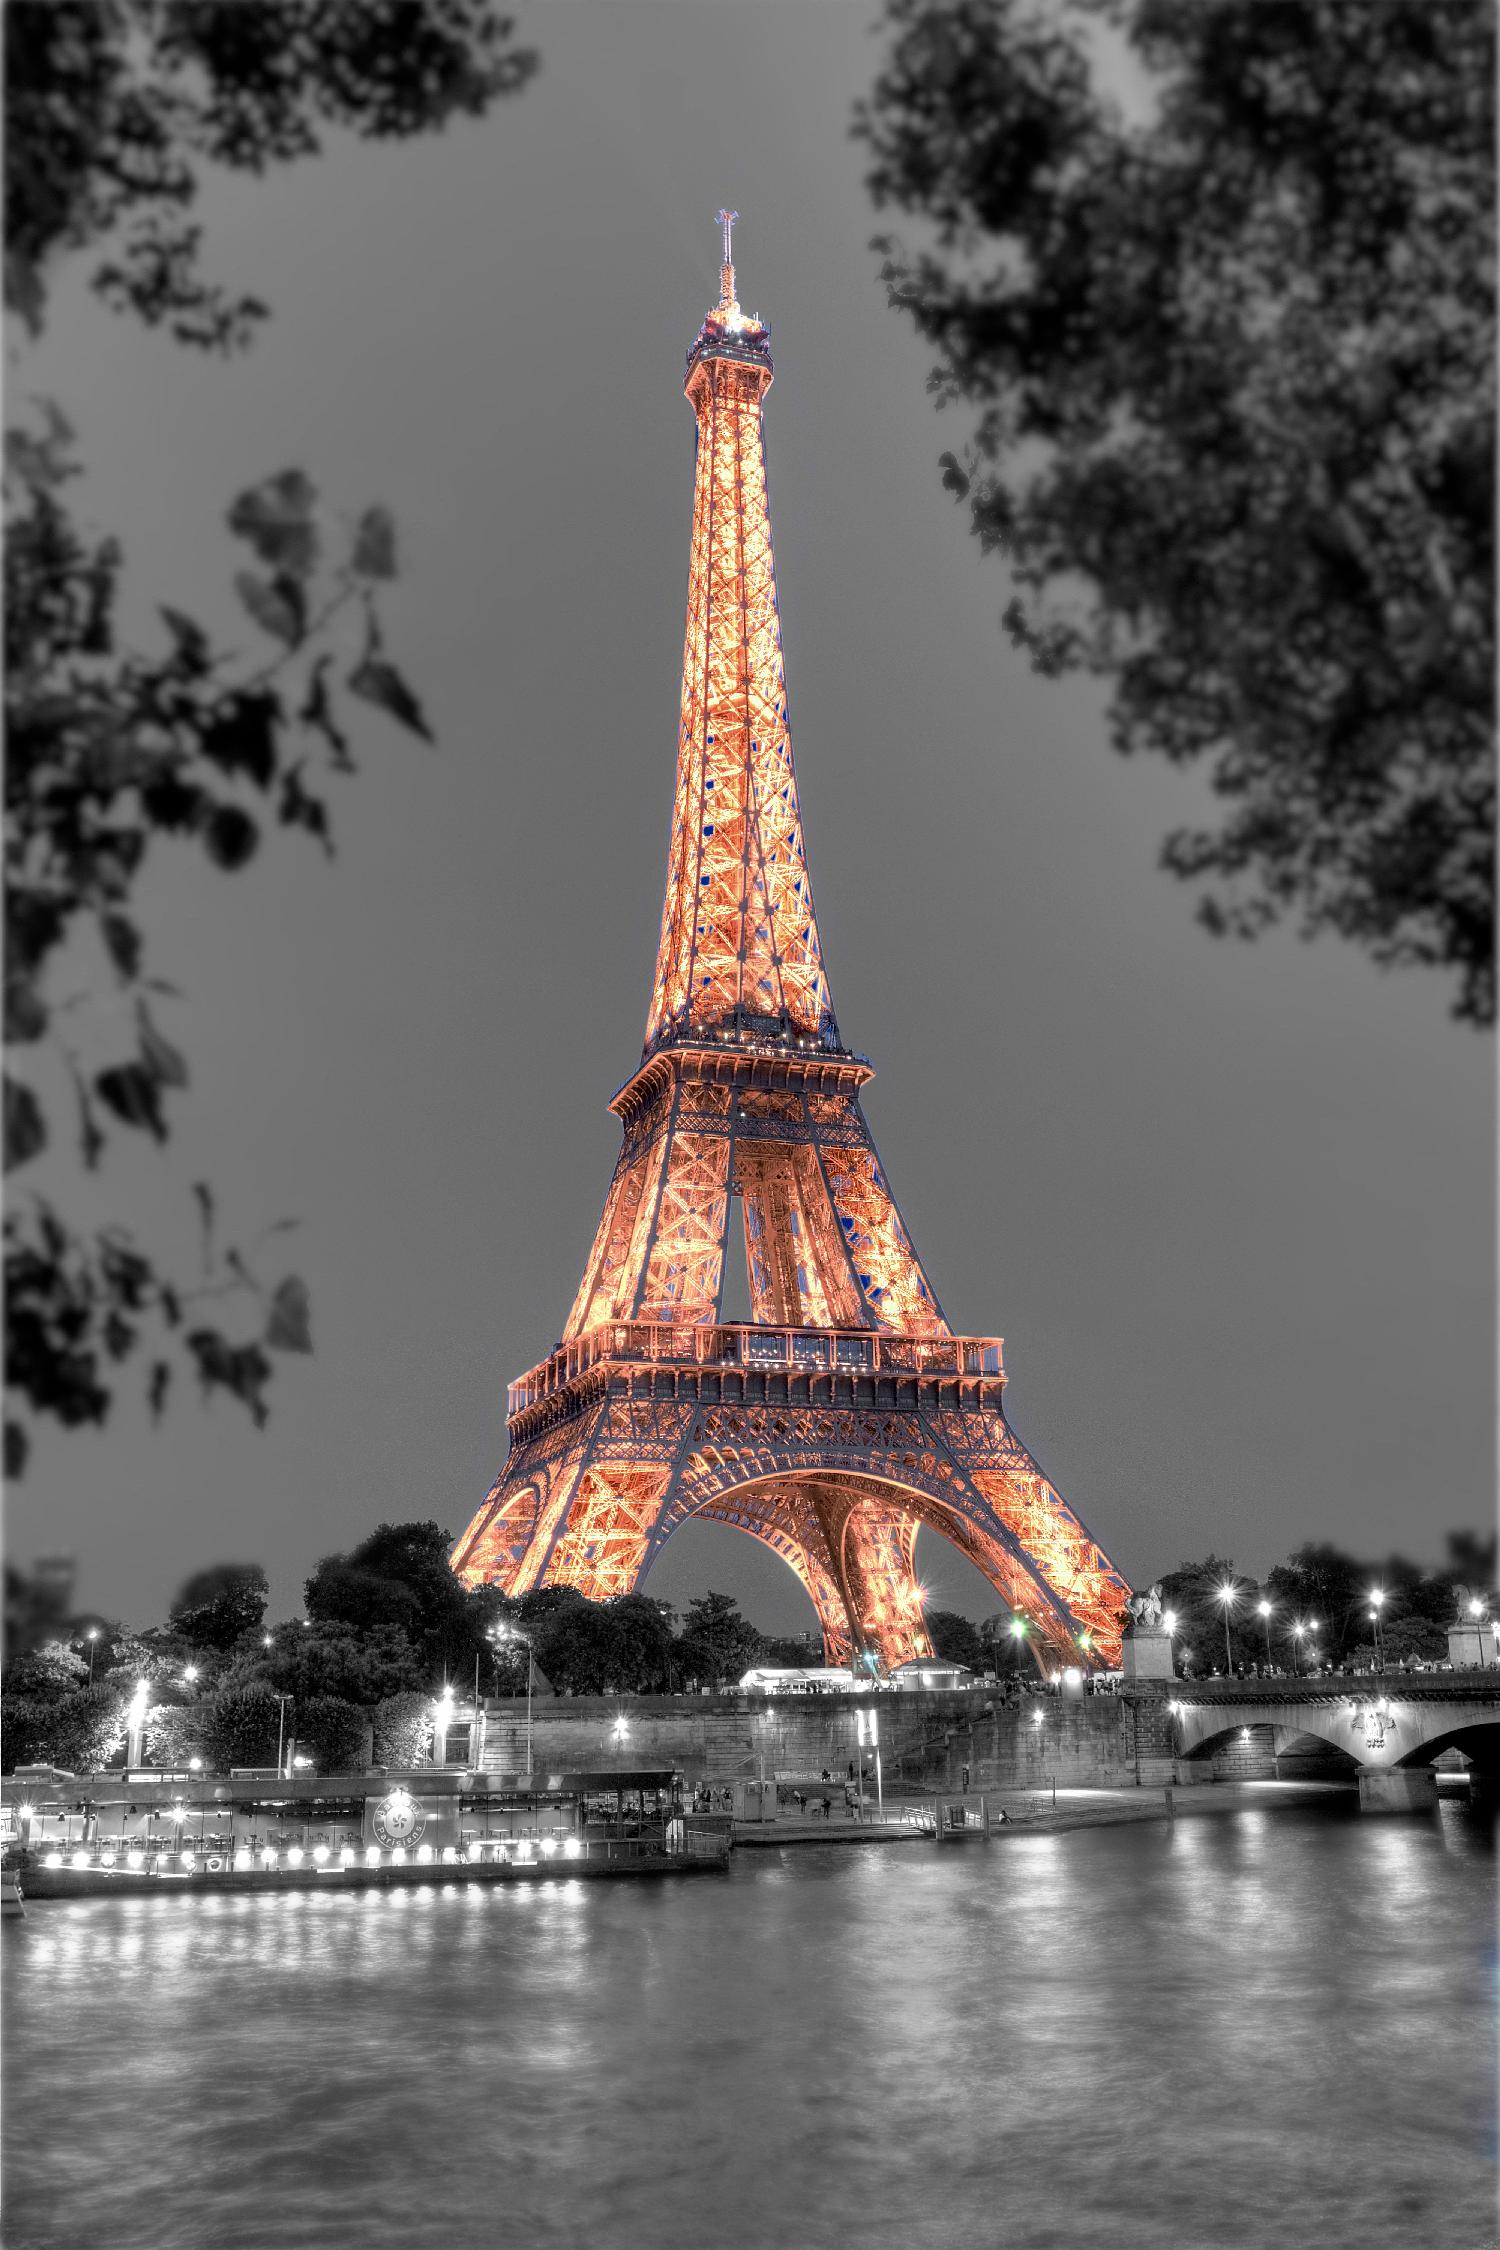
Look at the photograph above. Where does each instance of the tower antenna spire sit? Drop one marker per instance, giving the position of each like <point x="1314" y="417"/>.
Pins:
<point x="727" y="300"/>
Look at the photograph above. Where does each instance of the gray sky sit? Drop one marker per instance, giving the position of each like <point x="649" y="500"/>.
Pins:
<point x="1231" y="1209"/>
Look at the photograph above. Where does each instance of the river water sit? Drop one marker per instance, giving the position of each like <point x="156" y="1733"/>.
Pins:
<point x="1256" y="2027"/>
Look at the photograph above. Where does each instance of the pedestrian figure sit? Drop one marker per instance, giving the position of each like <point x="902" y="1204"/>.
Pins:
<point x="828" y="1808"/>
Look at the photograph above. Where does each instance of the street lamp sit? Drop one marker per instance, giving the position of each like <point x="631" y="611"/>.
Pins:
<point x="1297" y="1632"/>
<point x="1377" y="1596"/>
<point x="1265" y="1618"/>
<point x="281" y="1703"/>
<point x="91" y="1636"/>
<point x="135" y="1723"/>
<point x="1227" y="1595"/>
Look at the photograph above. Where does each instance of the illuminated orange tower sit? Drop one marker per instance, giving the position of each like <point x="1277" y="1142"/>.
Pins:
<point x="847" y="1413"/>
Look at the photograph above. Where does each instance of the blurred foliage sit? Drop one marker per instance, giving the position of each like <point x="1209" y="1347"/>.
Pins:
<point x="1228" y="373"/>
<point x="113" y="110"/>
<point x="215" y="1607"/>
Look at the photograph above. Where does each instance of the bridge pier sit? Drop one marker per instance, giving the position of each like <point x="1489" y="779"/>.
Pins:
<point x="1397" y="1789"/>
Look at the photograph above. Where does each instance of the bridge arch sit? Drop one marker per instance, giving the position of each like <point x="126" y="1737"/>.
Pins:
<point x="1372" y="1725"/>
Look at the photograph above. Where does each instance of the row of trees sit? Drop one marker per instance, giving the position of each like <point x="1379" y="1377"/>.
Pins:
<point x="386" y="1625"/>
<point x="1320" y="1607"/>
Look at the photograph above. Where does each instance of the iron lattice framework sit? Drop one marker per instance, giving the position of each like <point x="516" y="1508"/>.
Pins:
<point x="846" y="1413"/>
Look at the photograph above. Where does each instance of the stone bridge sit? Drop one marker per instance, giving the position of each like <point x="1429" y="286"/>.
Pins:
<point x="1391" y="1725"/>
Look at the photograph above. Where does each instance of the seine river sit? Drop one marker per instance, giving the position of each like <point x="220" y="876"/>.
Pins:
<point x="1248" y="2028"/>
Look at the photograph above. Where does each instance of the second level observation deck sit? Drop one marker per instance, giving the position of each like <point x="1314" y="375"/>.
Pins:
<point x="846" y="1365"/>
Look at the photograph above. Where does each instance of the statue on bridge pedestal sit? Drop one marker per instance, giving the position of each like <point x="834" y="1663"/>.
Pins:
<point x="1145" y="1610"/>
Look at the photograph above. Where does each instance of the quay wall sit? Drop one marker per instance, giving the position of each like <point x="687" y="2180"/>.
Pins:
<point x="1100" y="1741"/>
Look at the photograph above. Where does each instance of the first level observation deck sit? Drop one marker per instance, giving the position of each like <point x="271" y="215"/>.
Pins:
<point x="843" y="1365"/>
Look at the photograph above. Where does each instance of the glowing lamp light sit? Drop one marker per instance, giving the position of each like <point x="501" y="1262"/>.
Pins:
<point x="346" y="1856"/>
<point x="1018" y="1628"/>
<point x="81" y="1859"/>
<point x="620" y="1731"/>
<point x="195" y="1765"/>
<point x="474" y="1854"/>
<point x="301" y="1762"/>
<point x="1476" y="1608"/>
<point x="190" y="1672"/>
<point x="372" y="1856"/>
<point x="424" y="1855"/>
<point x="106" y="1859"/>
<point x="132" y="1859"/>
<point x="320" y="1854"/>
<point x="53" y="1859"/>
<point x="1264" y="1608"/>
<point x="549" y="1845"/>
<point x="1377" y="1596"/>
<point x="572" y="1849"/>
<point x="268" y="1857"/>
<point x="294" y="1856"/>
<point x="398" y="1855"/>
<point x="135" y="1715"/>
<point x="450" y="1856"/>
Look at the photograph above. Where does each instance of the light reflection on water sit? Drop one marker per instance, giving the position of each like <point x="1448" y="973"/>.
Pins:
<point x="1258" y="2028"/>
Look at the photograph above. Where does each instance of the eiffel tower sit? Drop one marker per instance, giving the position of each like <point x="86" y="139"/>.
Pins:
<point x="846" y="1414"/>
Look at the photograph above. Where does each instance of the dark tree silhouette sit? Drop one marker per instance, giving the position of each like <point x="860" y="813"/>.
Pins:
<point x="1228" y="367"/>
<point x="113" y="107"/>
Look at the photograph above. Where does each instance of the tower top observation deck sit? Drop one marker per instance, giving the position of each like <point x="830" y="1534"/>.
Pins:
<point x="727" y="331"/>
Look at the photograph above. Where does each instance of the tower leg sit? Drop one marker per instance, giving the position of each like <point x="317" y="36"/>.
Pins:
<point x="873" y="1550"/>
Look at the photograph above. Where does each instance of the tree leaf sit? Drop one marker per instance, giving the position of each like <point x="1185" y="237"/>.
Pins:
<point x="955" y="479"/>
<point x="289" y="1327"/>
<point x="379" y="682"/>
<point x="374" y="553"/>
<point x="300" y="809"/>
<point x="130" y="1090"/>
<point x="161" y="1058"/>
<point x="276" y="517"/>
<point x="156" y="1390"/>
<point x="240" y="1368"/>
<point x="25" y="1126"/>
<point x="240" y="736"/>
<point x="276" y="604"/>
<point x="122" y="942"/>
<point x="25" y="1009"/>
<point x="191" y="642"/>
<point x="229" y="836"/>
<point x="317" y="711"/>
